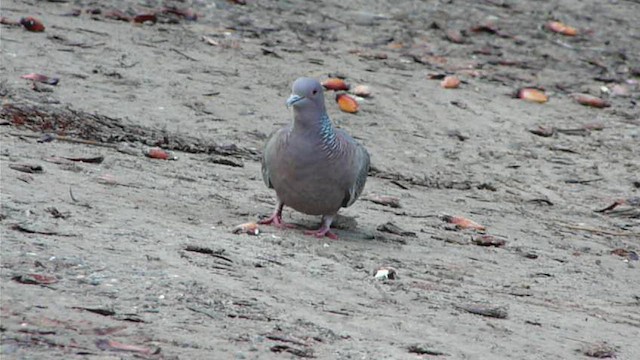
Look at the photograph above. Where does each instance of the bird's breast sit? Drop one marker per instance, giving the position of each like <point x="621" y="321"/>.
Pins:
<point x="307" y="179"/>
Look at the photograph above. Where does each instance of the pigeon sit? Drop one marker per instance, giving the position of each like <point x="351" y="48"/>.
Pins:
<point x="314" y="168"/>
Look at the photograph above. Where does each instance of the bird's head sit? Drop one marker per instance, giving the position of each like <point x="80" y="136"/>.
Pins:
<point x="306" y="96"/>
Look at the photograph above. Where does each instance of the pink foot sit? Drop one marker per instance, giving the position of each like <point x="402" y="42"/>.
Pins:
<point x="276" y="220"/>
<point x="322" y="232"/>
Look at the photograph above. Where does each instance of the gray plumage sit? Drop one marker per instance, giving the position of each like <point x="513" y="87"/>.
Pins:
<point x="313" y="167"/>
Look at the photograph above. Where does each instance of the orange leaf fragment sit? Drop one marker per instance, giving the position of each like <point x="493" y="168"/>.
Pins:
<point x="533" y="95"/>
<point x="157" y="153"/>
<point x="463" y="223"/>
<point x="250" y="228"/>
<point x="450" y="82"/>
<point x="347" y="104"/>
<point x="590" y="100"/>
<point x="560" y="28"/>
<point x="335" y="84"/>
<point x="32" y="24"/>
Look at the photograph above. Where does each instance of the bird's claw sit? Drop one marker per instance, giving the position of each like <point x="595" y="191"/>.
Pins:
<point x="321" y="233"/>
<point x="276" y="221"/>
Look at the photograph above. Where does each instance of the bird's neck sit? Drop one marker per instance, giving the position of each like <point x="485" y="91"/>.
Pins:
<point x="320" y="124"/>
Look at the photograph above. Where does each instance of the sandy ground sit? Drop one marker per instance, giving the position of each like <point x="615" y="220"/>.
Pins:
<point x="136" y="255"/>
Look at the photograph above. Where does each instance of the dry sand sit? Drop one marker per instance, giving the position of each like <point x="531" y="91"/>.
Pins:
<point x="120" y="253"/>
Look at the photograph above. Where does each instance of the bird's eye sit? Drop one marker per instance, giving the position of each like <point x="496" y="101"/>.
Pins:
<point x="315" y="92"/>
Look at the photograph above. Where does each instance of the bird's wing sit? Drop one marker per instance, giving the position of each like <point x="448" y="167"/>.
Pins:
<point x="362" y="163"/>
<point x="269" y="153"/>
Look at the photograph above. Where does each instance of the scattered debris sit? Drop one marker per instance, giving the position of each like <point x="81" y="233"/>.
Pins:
<point x="5" y="21"/>
<point x="455" y="36"/>
<point x="250" y="228"/>
<point x="385" y="273"/>
<point x="27" y="168"/>
<point x="206" y="312"/>
<point x="629" y="254"/>
<point x="284" y="338"/>
<point x="28" y="230"/>
<point x="226" y="161"/>
<point x="488" y="27"/>
<point x="35" y="279"/>
<point x="362" y="91"/>
<point x="25" y="177"/>
<point x="335" y="84"/>
<point x="392" y="228"/>
<point x="632" y="201"/>
<point x="543" y="131"/>
<point x="117" y="15"/>
<point x="68" y="124"/>
<point x="41" y="78"/>
<point x="390" y="201"/>
<point x="463" y="223"/>
<point x="306" y="353"/>
<point x="498" y="312"/>
<point x="347" y="103"/>
<point x="142" y="18"/>
<point x="590" y="100"/>
<point x="187" y="14"/>
<point x="438" y="76"/>
<point x="450" y="82"/>
<point x="600" y="351"/>
<point x="208" y="251"/>
<point x="560" y="28"/>
<point x="157" y="153"/>
<point x="108" y="330"/>
<point x="99" y="311"/>
<point x="32" y="24"/>
<point x="56" y="213"/>
<point x="620" y="90"/>
<point x="210" y="40"/>
<point x="425" y="350"/>
<point x="533" y="95"/>
<point x="91" y="160"/>
<point x="488" y="240"/>
<point x="457" y="134"/>
<point x="111" y="345"/>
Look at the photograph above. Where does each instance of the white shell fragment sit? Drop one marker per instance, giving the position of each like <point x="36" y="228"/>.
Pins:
<point x="385" y="273"/>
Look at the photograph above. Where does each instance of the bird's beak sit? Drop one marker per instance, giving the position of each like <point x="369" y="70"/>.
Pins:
<point x="293" y="99"/>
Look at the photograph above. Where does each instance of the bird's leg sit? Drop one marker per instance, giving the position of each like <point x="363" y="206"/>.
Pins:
<point x="325" y="229"/>
<point x="276" y="218"/>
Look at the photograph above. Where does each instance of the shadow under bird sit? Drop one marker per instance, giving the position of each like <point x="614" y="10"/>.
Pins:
<point x="314" y="168"/>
